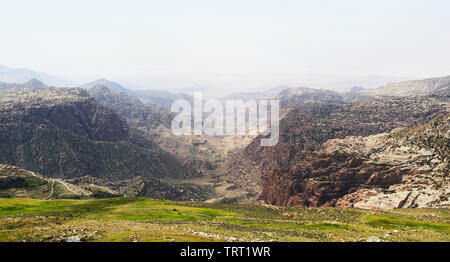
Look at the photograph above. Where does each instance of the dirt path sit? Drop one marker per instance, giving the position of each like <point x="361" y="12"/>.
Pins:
<point x="52" y="190"/>
<point x="75" y="190"/>
<point x="69" y="187"/>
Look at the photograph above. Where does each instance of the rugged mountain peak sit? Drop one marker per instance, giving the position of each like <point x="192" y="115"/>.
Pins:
<point x="112" y="86"/>
<point x="34" y="84"/>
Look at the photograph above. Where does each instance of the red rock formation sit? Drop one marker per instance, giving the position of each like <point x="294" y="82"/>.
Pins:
<point x="322" y="178"/>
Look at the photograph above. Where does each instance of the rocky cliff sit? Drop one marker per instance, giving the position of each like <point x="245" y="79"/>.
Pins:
<point x="407" y="167"/>
<point x="308" y="126"/>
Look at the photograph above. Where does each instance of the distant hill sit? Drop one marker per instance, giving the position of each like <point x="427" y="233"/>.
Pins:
<point x="159" y="97"/>
<point x="137" y="114"/>
<point x="439" y="85"/>
<point x="112" y="86"/>
<point x="356" y="89"/>
<point x="293" y="96"/>
<point x="31" y="84"/>
<point x="289" y="95"/>
<point x="22" y="75"/>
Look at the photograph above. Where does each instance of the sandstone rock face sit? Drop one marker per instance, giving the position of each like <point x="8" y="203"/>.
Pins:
<point x="65" y="133"/>
<point x="423" y="151"/>
<point x="407" y="167"/>
<point x="308" y="126"/>
<point x="321" y="179"/>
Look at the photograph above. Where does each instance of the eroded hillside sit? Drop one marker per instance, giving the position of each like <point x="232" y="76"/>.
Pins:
<point x="404" y="168"/>
<point x="65" y="133"/>
<point x="308" y="126"/>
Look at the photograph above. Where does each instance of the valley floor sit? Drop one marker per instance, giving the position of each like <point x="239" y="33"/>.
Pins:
<point x="141" y="219"/>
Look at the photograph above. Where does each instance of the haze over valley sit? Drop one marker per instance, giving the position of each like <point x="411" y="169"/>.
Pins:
<point x="358" y="108"/>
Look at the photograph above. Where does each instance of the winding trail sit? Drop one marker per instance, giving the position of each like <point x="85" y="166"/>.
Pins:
<point x="52" y="190"/>
<point x="69" y="187"/>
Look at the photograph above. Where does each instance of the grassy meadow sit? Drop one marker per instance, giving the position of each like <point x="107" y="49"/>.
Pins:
<point x="143" y="219"/>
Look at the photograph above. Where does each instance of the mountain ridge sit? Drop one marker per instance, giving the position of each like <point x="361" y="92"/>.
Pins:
<point x="22" y="75"/>
<point x="422" y="87"/>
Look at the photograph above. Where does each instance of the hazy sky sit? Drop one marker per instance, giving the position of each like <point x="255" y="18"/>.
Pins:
<point x="145" y="41"/>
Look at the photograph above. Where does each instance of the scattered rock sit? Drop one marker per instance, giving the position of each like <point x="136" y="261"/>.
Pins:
<point x="373" y="239"/>
<point x="74" y="239"/>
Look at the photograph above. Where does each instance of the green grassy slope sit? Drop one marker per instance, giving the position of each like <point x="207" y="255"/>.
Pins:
<point x="141" y="219"/>
<point x="19" y="183"/>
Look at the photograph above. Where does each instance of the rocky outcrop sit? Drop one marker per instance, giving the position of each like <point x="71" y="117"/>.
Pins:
<point x="321" y="179"/>
<point x="308" y="126"/>
<point x="405" y="168"/>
